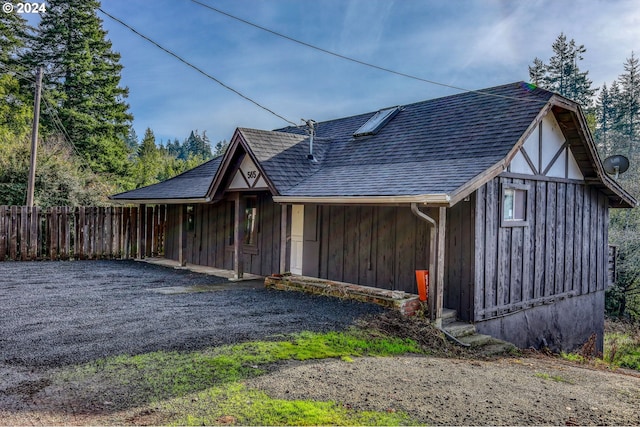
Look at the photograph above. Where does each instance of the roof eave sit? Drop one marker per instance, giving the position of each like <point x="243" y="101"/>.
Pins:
<point x="175" y="201"/>
<point x="439" y="199"/>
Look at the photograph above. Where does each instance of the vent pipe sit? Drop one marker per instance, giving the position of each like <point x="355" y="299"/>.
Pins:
<point x="312" y="131"/>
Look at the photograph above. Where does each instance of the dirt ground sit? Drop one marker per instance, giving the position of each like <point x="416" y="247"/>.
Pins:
<point x="437" y="391"/>
<point x="55" y="314"/>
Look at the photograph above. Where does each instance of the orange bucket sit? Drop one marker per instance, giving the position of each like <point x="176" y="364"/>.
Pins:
<point x="422" y="278"/>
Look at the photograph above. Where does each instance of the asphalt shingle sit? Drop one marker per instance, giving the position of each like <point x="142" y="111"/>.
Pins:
<point x="429" y="147"/>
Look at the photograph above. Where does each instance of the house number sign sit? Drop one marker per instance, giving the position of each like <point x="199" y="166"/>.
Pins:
<point x="247" y="176"/>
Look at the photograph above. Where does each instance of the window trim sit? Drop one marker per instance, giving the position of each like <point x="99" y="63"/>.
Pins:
<point x="524" y="189"/>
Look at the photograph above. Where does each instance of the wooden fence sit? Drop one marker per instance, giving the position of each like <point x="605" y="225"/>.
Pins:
<point x="61" y="233"/>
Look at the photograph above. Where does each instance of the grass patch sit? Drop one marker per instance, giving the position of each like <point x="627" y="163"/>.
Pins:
<point x="623" y="349"/>
<point x="213" y="375"/>
<point x="556" y="378"/>
<point x="237" y="405"/>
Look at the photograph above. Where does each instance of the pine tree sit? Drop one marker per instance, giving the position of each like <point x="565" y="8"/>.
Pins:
<point x="82" y="77"/>
<point x="15" y="103"/>
<point x="13" y="36"/>
<point x="196" y="146"/>
<point x="148" y="164"/>
<point x="562" y="74"/>
<point x="603" y="121"/>
<point x="537" y="72"/>
<point x="629" y="105"/>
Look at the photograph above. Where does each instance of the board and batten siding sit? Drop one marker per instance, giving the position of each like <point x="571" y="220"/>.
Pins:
<point x="561" y="252"/>
<point x="209" y="241"/>
<point x="459" y="258"/>
<point x="368" y="245"/>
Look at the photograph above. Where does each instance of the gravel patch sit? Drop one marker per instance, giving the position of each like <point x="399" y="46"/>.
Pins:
<point x="60" y="313"/>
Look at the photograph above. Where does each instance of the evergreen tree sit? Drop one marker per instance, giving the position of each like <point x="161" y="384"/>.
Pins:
<point x="196" y="146"/>
<point x="15" y="107"/>
<point x="562" y="74"/>
<point x="82" y="75"/>
<point x="629" y="105"/>
<point x="13" y="37"/>
<point x="537" y="72"/>
<point x="605" y="116"/>
<point x="131" y="140"/>
<point x="221" y="147"/>
<point x="148" y="164"/>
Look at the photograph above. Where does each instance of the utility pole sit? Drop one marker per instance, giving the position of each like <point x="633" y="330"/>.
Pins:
<point x="34" y="139"/>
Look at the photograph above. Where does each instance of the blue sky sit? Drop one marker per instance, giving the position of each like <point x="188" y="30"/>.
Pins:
<point x="467" y="43"/>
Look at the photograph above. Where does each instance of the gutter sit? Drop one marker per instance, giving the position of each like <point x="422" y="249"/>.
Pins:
<point x="431" y="199"/>
<point x="160" y="201"/>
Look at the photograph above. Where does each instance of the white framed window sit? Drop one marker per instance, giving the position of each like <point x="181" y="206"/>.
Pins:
<point x="514" y="205"/>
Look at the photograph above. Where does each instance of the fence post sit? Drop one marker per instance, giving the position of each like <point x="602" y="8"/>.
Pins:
<point x="3" y="233"/>
<point x="13" y="234"/>
<point x="34" y="232"/>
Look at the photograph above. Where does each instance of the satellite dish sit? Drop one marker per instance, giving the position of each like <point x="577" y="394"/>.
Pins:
<point x="616" y="165"/>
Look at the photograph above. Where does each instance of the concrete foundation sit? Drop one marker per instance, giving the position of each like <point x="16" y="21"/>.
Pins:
<point x="562" y="326"/>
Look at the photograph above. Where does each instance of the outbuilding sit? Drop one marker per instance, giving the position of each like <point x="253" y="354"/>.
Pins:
<point x="499" y="193"/>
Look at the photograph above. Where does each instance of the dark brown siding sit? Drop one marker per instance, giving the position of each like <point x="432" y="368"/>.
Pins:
<point x="208" y="243"/>
<point x="561" y="252"/>
<point x="372" y="246"/>
<point x="459" y="263"/>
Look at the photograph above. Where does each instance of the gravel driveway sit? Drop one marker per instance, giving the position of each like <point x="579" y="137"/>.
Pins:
<point x="58" y="313"/>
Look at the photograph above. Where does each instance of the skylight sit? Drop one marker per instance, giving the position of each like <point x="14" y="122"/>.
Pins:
<point x="376" y="122"/>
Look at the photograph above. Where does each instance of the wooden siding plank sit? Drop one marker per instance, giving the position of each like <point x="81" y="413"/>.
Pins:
<point x="570" y="235"/>
<point x="560" y="238"/>
<point x="212" y="237"/>
<point x="335" y="265"/>
<point x="594" y="242"/>
<point x="366" y="275"/>
<point x="518" y="262"/>
<point x="479" y="249"/>
<point x="528" y="247"/>
<point x="586" y="239"/>
<point x="540" y="239"/>
<point x="550" y="243"/>
<point x="492" y="215"/>
<point x="385" y="244"/>
<point x="504" y="265"/>
<point x="578" y="247"/>
<point x="351" y="240"/>
<point x="404" y="268"/>
<point x="601" y="247"/>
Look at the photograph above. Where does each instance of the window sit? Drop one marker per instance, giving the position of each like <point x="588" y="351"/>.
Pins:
<point x="191" y="224"/>
<point x="514" y="205"/>
<point x="376" y="122"/>
<point x="250" y="221"/>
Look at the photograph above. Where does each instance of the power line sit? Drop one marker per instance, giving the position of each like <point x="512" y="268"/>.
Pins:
<point x="357" y="61"/>
<point x="204" y="73"/>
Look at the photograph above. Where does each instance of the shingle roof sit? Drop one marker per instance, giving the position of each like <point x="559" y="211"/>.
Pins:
<point x="429" y="147"/>
<point x="192" y="184"/>
<point x="283" y="156"/>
